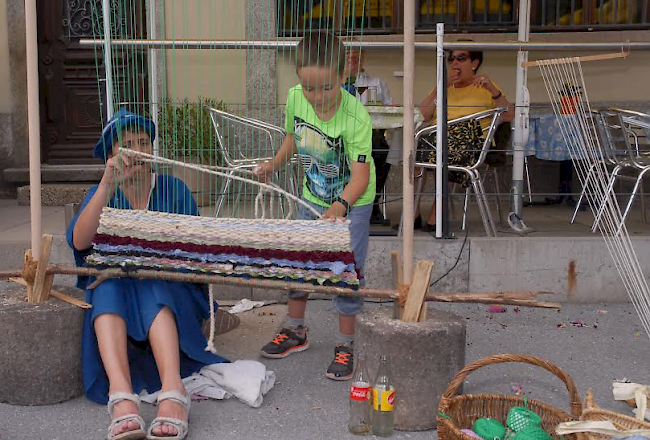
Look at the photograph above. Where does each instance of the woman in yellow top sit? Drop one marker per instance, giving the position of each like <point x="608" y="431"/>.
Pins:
<point x="467" y="93"/>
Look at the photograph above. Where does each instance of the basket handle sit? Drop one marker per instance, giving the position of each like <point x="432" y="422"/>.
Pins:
<point x="457" y="381"/>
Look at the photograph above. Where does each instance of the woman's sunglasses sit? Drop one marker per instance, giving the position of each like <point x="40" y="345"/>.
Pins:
<point x="460" y="57"/>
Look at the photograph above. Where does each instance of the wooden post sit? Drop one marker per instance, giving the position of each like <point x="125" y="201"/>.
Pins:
<point x="398" y="280"/>
<point x="43" y="283"/>
<point x="418" y="289"/>
<point x="408" y="137"/>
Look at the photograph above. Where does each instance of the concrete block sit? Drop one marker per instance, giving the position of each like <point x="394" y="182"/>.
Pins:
<point x="423" y="357"/>
<point x="40" y="348"/>
<point x="442" y="253"/>
<point x="270" y="295"/>
<point x="12" y="254"/>
<point x="541" y="263"/>
<point x="56" y="194"/>
<point x="224" y="292"/>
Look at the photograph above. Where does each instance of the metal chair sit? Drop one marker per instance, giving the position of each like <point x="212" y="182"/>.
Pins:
<point x="640" y="159"/>
<point x="611" y="160"/>
<point x="488" y="120"/>
<point x="245" y="143"/>
<point x="626" y="156"/>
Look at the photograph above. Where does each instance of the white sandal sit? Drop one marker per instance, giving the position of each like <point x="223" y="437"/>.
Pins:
<point x="136" y="434"/>
<point x="181" y="425"/>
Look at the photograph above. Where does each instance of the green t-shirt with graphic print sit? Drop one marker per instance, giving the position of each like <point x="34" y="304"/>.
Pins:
<point x="327" y="149"/>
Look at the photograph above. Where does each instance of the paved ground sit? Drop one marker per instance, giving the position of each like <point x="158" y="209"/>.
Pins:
<point x="305" y="405"/>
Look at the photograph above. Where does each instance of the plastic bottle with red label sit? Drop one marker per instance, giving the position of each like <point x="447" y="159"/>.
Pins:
<point x="360" y="401"/>
<point x="383" y="401"/>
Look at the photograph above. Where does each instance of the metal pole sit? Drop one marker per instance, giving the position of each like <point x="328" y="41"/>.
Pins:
<point x="377" y="45"/>
<point x="153" y="71"/>
<point x="108" y="62"/>
<point x="409" y="135"/>
<point x="442" y="211"/>
<point x="522" y="104"/>
<point x="33" y="122"/>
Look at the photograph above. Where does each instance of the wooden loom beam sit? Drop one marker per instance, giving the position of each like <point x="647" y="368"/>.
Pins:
<point x="518" y="298"/>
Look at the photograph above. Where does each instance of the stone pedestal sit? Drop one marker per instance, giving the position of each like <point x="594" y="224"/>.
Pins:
<point x="40" y="348"/>
<point x="423" y="358"/>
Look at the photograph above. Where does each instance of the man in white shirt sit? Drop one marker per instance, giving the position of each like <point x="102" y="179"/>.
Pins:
<point x="371" y="90"/>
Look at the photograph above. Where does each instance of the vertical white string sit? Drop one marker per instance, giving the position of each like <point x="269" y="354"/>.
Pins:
<point x="588" y="154"/>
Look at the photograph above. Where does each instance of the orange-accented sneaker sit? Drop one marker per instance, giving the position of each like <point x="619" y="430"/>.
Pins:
<point x="286" y="342"/>
<point x="342" y="367"/>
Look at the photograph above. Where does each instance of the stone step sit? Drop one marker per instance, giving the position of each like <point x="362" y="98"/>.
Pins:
<point x="56" y="194"/>
<point x="57" y="173"/>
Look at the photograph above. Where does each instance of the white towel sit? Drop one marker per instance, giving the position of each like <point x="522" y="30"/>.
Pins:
<point x="640" y="394"/>
<point x="248" y="381"/>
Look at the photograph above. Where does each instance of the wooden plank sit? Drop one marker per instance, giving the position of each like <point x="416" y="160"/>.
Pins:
<point x="41" y="292"/>
<point x="398" y="279"/>
<point x="418" y="289"/>
<point x="30" y="286"/>
<point x="58" y="295"/>
<point x="608" y="56"/>
<point x="423" y="313"/>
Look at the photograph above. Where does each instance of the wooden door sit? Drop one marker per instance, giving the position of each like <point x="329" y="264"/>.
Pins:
<point x="72" y="77"/>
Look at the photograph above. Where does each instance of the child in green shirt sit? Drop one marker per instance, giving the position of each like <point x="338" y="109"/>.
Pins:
<point x="331" y="132"/>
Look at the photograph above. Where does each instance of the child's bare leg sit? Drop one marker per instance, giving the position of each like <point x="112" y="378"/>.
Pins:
<point x="110" y="330"/>
<point x="297" y="307"/>
<point x="163" y="337"/>
<point x="346" y="324"/>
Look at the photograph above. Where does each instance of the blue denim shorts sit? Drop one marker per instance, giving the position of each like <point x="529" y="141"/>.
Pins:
<point x="359" y="217"/>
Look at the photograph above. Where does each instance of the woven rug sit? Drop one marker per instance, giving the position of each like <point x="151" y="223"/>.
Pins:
<point x="315" y="252"/>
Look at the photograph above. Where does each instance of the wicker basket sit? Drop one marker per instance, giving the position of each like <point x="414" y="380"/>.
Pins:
<point x="462" y="410"/>
<point x="592" y="412"/>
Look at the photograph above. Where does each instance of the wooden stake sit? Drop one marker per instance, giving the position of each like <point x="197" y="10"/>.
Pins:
<point x="423" y="313"/>
<point x="41" y="287"/>
<point x="30" y="285"/>
<point x="398" y="279"/>
<point x="58" y="295"/>
<point x="417" y="291"/>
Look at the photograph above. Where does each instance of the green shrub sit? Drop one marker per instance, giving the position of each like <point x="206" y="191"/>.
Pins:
<point x="186" y="131"/>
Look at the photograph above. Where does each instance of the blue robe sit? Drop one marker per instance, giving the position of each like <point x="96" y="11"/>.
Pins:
<point x="139" y="301"/>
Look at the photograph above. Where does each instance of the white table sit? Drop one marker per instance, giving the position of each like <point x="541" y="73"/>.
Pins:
<point x="391" y="118"/>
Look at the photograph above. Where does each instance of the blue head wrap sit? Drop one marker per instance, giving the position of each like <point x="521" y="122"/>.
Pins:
<point x="120" y="121"/>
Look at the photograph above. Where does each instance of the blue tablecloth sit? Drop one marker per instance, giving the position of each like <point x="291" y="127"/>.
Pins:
<point x="545" y="140"/>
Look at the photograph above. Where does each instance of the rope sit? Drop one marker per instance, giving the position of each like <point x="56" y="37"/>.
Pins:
<point x="215" y="170"/>
<point x="260" y="205"/>
<point x="210" y="346"/>
<point x="29" y="270"/>
<point x="403" y="292"/>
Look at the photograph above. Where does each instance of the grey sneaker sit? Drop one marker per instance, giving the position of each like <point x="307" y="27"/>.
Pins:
<point x="286" y="342"/>
<point x="342" y="367"/>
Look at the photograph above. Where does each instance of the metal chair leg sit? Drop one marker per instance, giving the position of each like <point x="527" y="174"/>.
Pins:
<point x="465" y="203"/>
<point x="530" y="191"/>
<point x="583" y="193"/>
<point x="630" y="202"/>
<point x="644" y="217"/>
<point x="495" y="173"/>
<point x="222" y="195"/>
<point x="603" y="203"/>
<point x="482" y="205"/>
<point x="486" y="205"/>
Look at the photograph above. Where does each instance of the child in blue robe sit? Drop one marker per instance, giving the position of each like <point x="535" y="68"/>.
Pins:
<point x="139" y="334"/>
